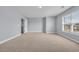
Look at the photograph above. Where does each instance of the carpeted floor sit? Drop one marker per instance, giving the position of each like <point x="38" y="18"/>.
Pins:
<point x="39" y="42"/>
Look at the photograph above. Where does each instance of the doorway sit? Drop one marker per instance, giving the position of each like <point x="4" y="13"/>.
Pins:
<point x="22" y="26"/>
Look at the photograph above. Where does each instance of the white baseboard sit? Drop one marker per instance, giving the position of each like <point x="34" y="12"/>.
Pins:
<point x="68" y="38"/>
<point x="50" y="32"/>
<point x="35" y="31"/>
<point x="9" y="38"/>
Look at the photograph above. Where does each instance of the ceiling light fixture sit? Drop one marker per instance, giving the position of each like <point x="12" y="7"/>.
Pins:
<point x="40" y="7"/>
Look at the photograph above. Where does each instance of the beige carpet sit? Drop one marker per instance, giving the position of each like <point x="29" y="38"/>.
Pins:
<point x="39" y="42"/>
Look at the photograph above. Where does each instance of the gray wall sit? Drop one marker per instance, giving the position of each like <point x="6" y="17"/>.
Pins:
<point x="44" y="25"/>
<point x="35" y="25"/>
<point x="25" y="24"/>
<point x="59" y="24"/>
<point x="9" y="23"/>
<point x="50" y="24"/>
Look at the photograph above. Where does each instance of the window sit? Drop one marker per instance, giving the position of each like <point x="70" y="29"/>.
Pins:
<point x="70" y="22"/>
<point x="76" y="28"/>
<point x="67" y="23"/>
<point x="75" y="21"/>
<point x="66" y="27"/>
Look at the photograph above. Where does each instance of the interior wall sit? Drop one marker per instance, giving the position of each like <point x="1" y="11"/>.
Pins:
<point x="44" y="24"/>
<point x="74" y="36"/>
<point x="25" y="24"/>
<point x="35" y="25"/>
<point x="50" y="24"/>
<point x="10" y="22"/>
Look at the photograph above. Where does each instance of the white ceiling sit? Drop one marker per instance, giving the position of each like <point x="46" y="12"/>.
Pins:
<point x="35" y="11"/>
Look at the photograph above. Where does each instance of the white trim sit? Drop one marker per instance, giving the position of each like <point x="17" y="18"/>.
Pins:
<point x="68" y="38"/>
<point x="25" y="32"/>
<point x="50" y="32"/>
<point x="34" y="31"/>
<point x="9" y="38"/>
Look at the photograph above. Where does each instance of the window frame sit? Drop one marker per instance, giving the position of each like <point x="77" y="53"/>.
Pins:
<point x="63" y="19"/>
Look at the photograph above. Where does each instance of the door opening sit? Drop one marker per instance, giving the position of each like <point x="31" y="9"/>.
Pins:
<point x="22" y="26"/>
